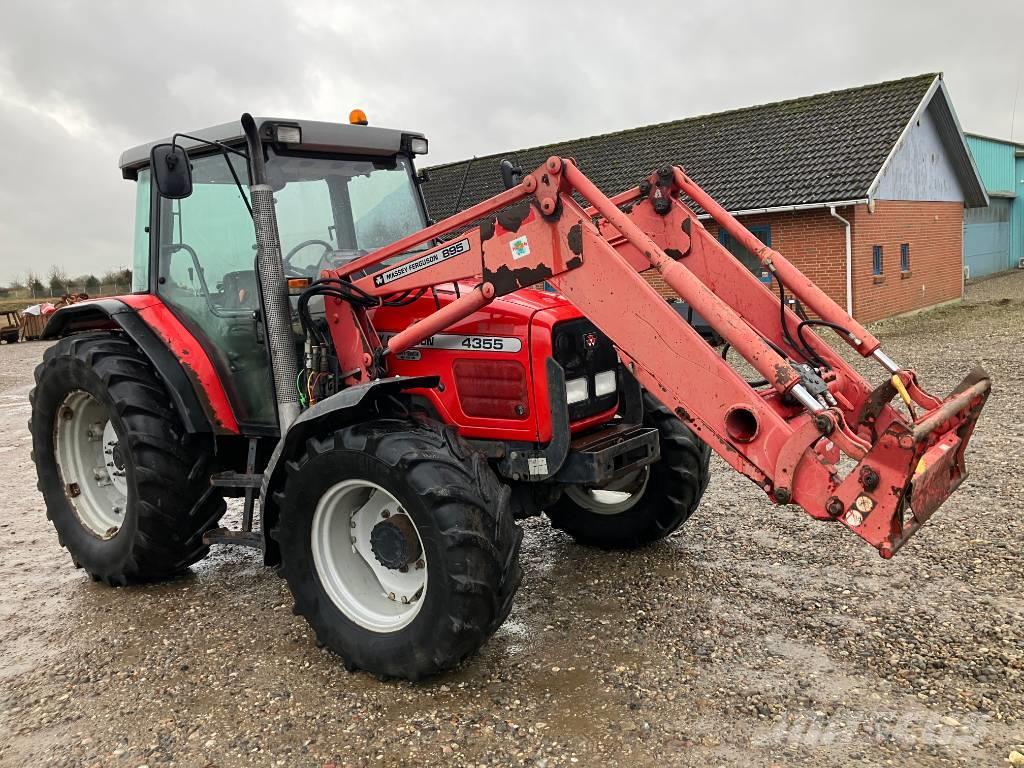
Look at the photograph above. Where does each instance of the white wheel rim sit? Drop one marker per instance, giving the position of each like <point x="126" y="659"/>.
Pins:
<point x="376" y="597"/>
<point x="91" y="467"/>
<point x="614" y="499"/>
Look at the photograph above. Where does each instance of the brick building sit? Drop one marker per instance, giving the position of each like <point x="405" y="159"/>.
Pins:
<point x="864" y="189"/>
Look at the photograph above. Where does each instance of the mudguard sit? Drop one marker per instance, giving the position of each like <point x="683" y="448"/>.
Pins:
<point x="322" y="418"/>
<point x="112" y="314"/>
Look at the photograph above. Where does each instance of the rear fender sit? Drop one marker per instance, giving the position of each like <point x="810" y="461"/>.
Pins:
<point x="112" y="314"/>
<point x="321" y="419"/>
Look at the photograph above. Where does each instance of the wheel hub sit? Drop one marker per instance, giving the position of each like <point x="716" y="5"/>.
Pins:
<point x="91" y="464"/>
<point x="369" y="555"/>
<point x="394" y="542"/>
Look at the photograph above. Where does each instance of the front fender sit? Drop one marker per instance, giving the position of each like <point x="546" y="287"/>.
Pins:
<point x="321" y="419"/>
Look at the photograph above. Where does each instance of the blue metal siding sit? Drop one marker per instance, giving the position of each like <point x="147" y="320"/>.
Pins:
<point x="995" y="163"/>
<point x="987" y="238"/>
<point x="1017" y="217"/>
<point x="994" y="236"/>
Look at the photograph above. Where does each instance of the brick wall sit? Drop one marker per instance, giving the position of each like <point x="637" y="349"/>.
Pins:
<point x="815" y="242"/>
<point x="935" y="234"/>
<point x="812" y="240"/>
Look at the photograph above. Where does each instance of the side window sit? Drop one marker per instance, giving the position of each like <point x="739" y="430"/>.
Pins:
<point x="140" y="255"/>
<point x="207" y="256"/>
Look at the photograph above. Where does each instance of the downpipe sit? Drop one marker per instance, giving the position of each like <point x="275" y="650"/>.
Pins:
<point x="849" y="259"/>
<point x="273" y="286"/>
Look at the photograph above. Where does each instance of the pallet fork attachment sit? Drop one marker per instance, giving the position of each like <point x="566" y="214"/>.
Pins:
<point x="788" y="435"/>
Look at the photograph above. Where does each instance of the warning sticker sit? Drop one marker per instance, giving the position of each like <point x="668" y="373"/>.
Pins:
<point x="520" y="247"/>
<point x="537" y="466"/>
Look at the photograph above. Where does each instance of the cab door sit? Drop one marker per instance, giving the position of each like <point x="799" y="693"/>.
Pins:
<point x="206" y="274"/>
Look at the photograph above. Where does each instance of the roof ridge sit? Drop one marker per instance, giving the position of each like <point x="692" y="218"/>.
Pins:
<point x="930" y="76"/>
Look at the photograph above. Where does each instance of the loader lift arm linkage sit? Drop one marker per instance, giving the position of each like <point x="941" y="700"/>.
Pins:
<point x="787" y="436"/>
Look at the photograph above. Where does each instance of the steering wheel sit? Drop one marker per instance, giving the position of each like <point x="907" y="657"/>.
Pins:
<point x="296" y="271"/>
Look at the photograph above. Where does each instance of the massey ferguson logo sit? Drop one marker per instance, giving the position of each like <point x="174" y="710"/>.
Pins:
<point x="434" y="257"/>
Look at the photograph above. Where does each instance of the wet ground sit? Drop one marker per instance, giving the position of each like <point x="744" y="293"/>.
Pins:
<point x="755" y="636"/>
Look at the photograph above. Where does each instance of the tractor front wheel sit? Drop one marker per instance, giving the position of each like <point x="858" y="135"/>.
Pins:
<point x="120" y="477"/>
<point x="648" y="505"/>
<point x="398" y="546"/>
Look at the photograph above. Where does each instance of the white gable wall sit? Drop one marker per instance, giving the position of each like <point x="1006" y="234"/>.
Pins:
<point x="920" y="168"/>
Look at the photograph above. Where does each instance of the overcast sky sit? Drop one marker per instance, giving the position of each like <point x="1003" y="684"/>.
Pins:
<point x="81" y="81"/>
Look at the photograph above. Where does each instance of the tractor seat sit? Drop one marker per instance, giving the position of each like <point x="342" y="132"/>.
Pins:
<point x="239" y="290"/>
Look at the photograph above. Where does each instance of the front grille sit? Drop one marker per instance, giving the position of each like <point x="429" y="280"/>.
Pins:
<point x="583" y="352"/>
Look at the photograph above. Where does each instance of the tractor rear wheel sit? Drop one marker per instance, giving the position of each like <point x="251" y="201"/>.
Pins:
<point x="648" y="506"/>
<point x="398" y="545"/>
<point x="119" y="475"/>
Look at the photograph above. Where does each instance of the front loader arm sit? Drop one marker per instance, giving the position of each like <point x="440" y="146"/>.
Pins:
<point x="787" y="435"/>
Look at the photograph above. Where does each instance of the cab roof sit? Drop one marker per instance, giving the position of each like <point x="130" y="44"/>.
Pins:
<point x="316" y="136"/>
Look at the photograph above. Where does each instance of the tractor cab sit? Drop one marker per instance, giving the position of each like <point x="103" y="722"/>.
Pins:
<point x="340" y="191"/>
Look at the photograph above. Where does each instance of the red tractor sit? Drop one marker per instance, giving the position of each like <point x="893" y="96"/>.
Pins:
<point x="395" y="394"/>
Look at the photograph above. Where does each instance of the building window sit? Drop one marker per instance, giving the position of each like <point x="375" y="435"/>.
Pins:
<point x="762" y="232"/>
<point x="905" y="257"/>
<point x="876" y="260"/>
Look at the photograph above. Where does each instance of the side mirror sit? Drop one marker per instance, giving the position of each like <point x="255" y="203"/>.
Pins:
<point x="510" y="174"/>
<point x="172" y="171"/>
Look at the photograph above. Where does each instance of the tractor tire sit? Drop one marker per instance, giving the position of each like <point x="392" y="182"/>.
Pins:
<point x="398" y="545"/>
<point x="119" y="475"/>
<point x="660" y="498"/>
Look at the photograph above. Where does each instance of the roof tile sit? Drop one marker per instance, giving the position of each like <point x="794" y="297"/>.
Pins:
<point x="821" y="148"/>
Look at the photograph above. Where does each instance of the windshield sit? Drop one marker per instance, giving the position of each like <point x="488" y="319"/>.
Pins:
<point x="353" y="205"/>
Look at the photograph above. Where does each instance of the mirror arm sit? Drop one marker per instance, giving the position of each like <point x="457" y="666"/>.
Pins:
<point x="224" y="149"/>
<point x="209" y="143"/>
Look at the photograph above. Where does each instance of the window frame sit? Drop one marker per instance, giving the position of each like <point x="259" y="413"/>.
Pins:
<point x="762" y="232"/>
<point x="153" y="195"/>
<point x="904" y="257"/>
<point x="877" y="261"/>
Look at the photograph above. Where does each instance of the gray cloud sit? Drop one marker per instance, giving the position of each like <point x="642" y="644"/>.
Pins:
<point x="80" y="81"/>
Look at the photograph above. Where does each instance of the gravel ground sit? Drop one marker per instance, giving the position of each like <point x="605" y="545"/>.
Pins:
<point x="753" y="637"/>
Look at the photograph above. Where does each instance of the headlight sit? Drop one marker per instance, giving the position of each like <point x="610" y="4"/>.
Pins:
<point x="418" y="145"/>
<point x="604" y="383"/>
<point x="576" y="391"/>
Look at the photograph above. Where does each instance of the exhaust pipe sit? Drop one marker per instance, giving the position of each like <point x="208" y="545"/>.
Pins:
<point x="273" y="286"/>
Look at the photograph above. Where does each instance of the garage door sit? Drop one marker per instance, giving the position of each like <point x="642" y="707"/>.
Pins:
<point x="987" y="237"/>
